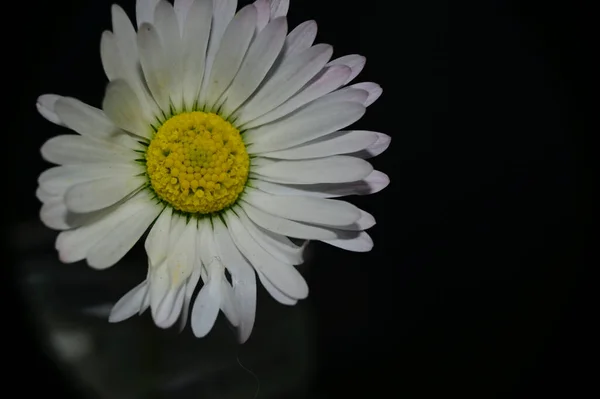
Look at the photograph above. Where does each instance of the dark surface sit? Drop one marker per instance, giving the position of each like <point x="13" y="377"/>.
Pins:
<point x="477" y="283"/>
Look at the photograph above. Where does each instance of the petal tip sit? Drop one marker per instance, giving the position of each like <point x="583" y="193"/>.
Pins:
<point x="45" y="106"/>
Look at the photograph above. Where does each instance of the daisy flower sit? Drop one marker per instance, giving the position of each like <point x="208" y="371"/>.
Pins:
<point x="220" y="133"/>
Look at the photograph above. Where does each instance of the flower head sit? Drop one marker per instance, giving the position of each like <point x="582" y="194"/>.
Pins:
<point x="220" y="132"/>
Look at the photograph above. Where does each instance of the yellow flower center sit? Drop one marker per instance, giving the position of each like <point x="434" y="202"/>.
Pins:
<point x="197" y="162"/>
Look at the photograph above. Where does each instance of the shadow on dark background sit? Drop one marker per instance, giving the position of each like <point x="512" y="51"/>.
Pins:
<point x="476" y="283"/>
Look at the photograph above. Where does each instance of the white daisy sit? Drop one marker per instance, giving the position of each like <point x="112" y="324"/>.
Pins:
<point x="221" y="131"/>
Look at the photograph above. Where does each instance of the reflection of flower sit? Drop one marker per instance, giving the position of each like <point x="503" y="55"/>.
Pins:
<point x="222" y="130"/>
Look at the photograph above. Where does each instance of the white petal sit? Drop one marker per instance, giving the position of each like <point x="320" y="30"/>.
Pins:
<point x="122" y="106"/>
<point x="45" y="106"/>
<point x="127" y="64"/>
<point x="160" y="288"/>
<point x="202" y="255"/>
<point x="307" y="124"/>
<point x="166" y="24"/>
<point x="164" y="310"/>
<point x="97" y="194"/>
<point x="354" y="241"/>
<point x="290" y="77"/>
<point x="183" y="255"/>
<point x="228" y="303"/>
<point x="290" y="228"/>
<point x="354" y="61"/>
<point x="120" y="59"/>
<point x="176" y="309"/>
<point x="345" y="94"/>
<point x="124" y="34"/>
<point x="300" y="39"/>
<point x="206" y="241"/>
<point x="155" y="65"/>
<point x="242" y="278"/>
<point x="232" y="49"/>
<point x="261" y="55"/>
<point x="280" y="247"/>
<point x="307" y="190"/>
<point x="274" y="292"/>
<point x="56" y="181"/>
<point x="74" y="245"/>
<point x="163" y="291"/>
<point x="129" y="304"/>
<point x="196" y="33"/>
<point x="75" y="149"/>
<point x="109" y="54"/>
<point x="260" y="162"/>
<point x="128" y="141"/>
<point x="223" y="12"/>
<point x="341" y="142"/>
<point x="144" y="10"/>
<point x="182" y="8"/>
<point x="166" y="283"/>
<point x="84" y="119"/>
<point x="206" y="306"/>
<point x="321" y="117"/>
<point x="326" y="81"/>
<point x="365" y="222"/>
<point x="54" y="214"/>
<point x="263" y="14"/>
<point x="146" y="301"/>
<point x="167" y="28"/>
<point x="211" y="260"/>
<point x="285" y="277"/>
<point x="167" y="311"/>
<point x="43" y="195"/>
<point x="279" y="8"/>
<point x="304" y="209"/>
<point x="379" y="146"/>
<point x="373" y="89"/>
<point x="178" y="224"/>
<point x="122" y="237"/>
<point x="157" y="242"/>
<point x="375" y="182"/>
<point x="189" y="292"/>
<point x="335" y="169"/>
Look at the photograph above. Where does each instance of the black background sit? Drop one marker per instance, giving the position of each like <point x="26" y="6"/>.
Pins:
<point x="477" y="283"/>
